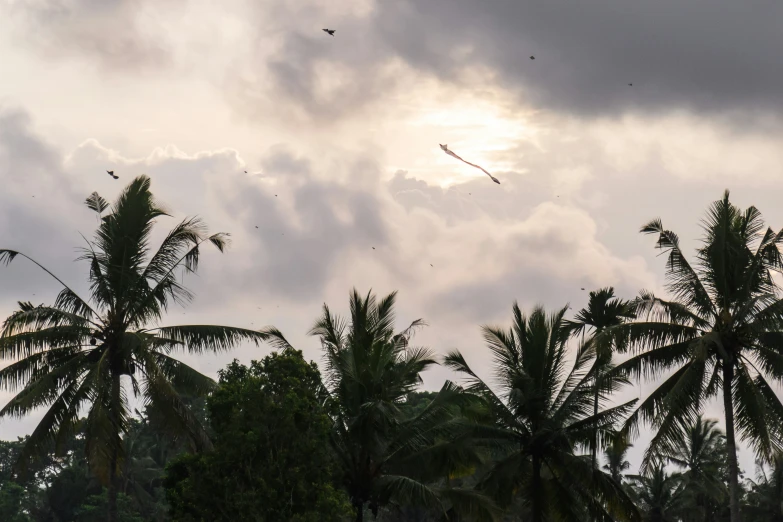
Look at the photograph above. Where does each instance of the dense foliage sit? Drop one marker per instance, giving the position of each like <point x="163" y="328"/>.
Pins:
<point x="269" y="462"/>
<point x="546" y="439"/>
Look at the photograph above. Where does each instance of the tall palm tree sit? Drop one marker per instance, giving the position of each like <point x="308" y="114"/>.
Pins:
<point x="658" y="494"/>
<point x="765" y="498"/>
<point x="75" y="352"/>
<point x="385" y="455"/>
<point x="721" y="332"/>
<point x="542" y="413"/>
<point x="700" y="452"/>
<point x="603" y="310"/>
<point x="616" y="453"/>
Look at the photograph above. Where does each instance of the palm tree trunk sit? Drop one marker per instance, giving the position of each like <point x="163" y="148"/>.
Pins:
<point x="731" y="444"/>
<point x="115" y="399"/>
<point x="594" y="448"/>
<point x="537" y="500"/>
<point x="113" y="490"/>
<point x="359" y="512"/>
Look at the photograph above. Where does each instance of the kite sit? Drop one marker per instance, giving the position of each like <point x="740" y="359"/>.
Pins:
<point x="450" y="153"/>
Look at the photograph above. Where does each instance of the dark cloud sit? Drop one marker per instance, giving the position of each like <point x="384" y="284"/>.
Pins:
<point x="700" y="55"/>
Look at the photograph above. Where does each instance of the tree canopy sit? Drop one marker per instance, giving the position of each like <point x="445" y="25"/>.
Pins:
<point x="271" y="459"/>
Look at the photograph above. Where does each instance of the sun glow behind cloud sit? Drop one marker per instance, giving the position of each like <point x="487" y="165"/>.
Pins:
<point x="479" y="124"/>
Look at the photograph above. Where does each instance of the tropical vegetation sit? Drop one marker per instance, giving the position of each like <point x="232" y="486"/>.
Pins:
<point x="128" y="432"/>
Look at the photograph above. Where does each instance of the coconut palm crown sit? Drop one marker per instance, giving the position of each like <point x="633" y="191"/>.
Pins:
<point x="86" y="355"/>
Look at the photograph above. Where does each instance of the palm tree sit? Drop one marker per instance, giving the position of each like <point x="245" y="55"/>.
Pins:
<point x="700" y="451"/>
<point x="542" y="413"/>
<point x="75" y="352"/>
<point x="615" y="453"/>
<point x="765" y="498"/>
<point x="603" y="310"/>
<point x="386" y="456"/>
<point x="658" y="494"/>
<point x="722" y="331"/>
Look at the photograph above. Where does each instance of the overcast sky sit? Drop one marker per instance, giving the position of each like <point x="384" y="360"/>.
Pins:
<point x="339" y="137"/>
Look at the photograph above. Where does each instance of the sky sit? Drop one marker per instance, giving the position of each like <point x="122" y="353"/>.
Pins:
<point x="345" y="184"/>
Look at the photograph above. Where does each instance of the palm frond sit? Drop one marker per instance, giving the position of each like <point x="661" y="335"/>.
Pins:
<point x="682" y="279"/>
<point x="276" y="338"/>
<point x="6" y="256"/>
<point x="213" y="338"/>
<point x="96" y="203"/>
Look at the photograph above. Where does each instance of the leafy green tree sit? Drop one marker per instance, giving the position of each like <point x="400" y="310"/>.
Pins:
<point x="77" y="351"/>
<point x="95" y="507"/>
<point x="386" y="456"/>
<point x="603" y="310"/>
<point x="12" y="498"/>
<point x="721" y="334"/>
<point x="271" y="458"/>
<point x="658" y="494"/>
<point x="416" y="402"/>
<point x="542" y="413"/>
<point x="765" y="498"/>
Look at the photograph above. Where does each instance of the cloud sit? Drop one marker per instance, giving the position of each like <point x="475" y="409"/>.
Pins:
<point x="316" y="230"/>
<point x="37" y="203"/>
<point x="702" y="56"/>
<point x="716" y="59"/>
<point x="712" y="58"/>
<point x="122" y="35"/>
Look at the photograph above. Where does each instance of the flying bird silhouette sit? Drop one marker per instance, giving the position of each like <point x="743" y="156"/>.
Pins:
<point x="111" y="173"/>
<point x="330" y="32"/>
<point x="532" y="57"/>
<point x="445" y="149"/>
<point x="630" y="85"/>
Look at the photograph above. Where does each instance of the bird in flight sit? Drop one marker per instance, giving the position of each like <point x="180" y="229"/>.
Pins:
<point x="111" y="173"/>
<point x="630" y="85"/>
<point x="330" y="32"/>
<point x="450" y="153"/>
<point x="532" y="57"/>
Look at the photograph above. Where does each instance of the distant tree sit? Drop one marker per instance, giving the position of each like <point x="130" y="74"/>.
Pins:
<point x="95" y="506"/>
<point x="416" y="402"/>
<point x="603" y="310"/>
<point x="765" y="496"/>
<point x="720" y="336"/>
<point x="700" y="453"/>
<point x="389" y="454"/>
<point x="543" y="412"/>
<point x="658" y="494"/>
<point x="616" y="454"/>
<point x="78" y="351"/>
<point x="271" y="459"/>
